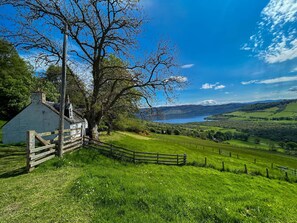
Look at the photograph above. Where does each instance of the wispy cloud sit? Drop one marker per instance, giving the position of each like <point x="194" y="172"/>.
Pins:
<point x="293" y="89"/>
<point x="272" y="81"/>
<point x="294" y="70"/>
<point x="179" y="79"/>
<point x="219" y="87"/>
<point x="275" y="40"/>
<point x="208" y="102"/>
<point x="187" y="66"/>
<point x="216" y="86"/>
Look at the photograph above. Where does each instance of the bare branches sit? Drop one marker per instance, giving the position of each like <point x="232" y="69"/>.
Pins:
<point x="100" y="32"/>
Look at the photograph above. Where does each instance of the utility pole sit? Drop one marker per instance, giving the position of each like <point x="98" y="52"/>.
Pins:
<point x="63" y="93"/>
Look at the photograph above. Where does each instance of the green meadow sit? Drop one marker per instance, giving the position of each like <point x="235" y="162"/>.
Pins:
<point x="272" y="114"/>
<point x="85" y="186"/>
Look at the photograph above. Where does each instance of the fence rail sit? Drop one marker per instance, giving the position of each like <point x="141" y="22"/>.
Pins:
<point x="48" y="150"/>
<point x="135" y="156"/>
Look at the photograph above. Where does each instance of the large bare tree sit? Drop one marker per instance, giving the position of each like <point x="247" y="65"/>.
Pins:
<point x="97" y="29"/>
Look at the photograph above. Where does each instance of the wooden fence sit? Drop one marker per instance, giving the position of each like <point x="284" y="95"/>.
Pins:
<point x="134" y="156"/>
<point x="47" y="148"/>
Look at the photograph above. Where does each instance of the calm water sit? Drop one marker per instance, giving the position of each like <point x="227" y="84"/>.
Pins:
<point x="183" y="120"/>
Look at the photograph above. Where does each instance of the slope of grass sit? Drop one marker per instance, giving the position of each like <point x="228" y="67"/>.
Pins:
<point x="87" y="187"/>
<point x="197" y="149"/>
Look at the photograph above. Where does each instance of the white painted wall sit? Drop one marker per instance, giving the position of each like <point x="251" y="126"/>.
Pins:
<point x="36" y="116"/>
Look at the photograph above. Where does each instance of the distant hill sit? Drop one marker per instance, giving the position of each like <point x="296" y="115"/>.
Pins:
<point x="187" y="111"/>
<point x="285" y="110"/>
<point x="230" y="110"/>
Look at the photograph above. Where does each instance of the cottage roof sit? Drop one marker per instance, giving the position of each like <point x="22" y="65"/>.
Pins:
<point x="55" y="107"/>
<point x="77" y="117"/>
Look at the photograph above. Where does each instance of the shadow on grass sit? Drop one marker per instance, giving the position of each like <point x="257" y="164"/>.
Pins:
<point x="13" y="173"/>
<point x="12" y="160"/>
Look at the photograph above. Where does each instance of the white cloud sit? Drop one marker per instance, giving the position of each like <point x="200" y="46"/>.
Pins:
<point x="275" y="40"/>
<point x="179" y="79"/>
<point x="282" y="51"/>
<point x="294" y="70"/>
<point x="215" y="86"/>
<point x="187" y="66"/>
<point x="208" y="102"/>
<point x="293" y="89"/>
<point x="39" y="65"/>
<point x="249" y="82"/>
<point x="272" y="81"/>
<point x="208" y="86"/>
<point x="219" y="87"/>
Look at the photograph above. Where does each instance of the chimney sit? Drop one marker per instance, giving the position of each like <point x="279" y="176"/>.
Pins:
<point x="38" y="97"/>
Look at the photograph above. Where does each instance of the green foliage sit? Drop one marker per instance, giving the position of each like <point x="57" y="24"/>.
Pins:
<point x="126" y="123"/>
<point x="47" y="87"/>
<point x="53" y="76"/>
<point x="257" y="141"/>
<point x="15" y="81"/>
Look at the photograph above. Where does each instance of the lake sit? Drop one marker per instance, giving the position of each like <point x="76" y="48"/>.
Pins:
<point x="184" y="120"/>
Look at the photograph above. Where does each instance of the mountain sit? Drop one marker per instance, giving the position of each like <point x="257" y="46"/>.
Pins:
<point x="191" y="111"/>
<point x="187" y="111"/>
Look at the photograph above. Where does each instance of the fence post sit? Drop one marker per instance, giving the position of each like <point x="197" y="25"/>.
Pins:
<point x="220" y="151"/>
<point x="177" y="159"/>
<point x="230" y="154"/>
<point x="255" y="160"/>
<point x="185" y="159"/>
<point x="134" y="157"/>
<point x="82" y="135"/>
<point x="267" y="173"/>
<point x="205" y="161"/>
<point x="271" y="165"/>
<point x="111" y="153"/>
<point x="157" y="158"/>
<point x="245" y="169"/>
<point x="30" y="146"/>
<point x="286" y="176"/>
<point x="223" y="166"/>
<point x="237" y="156"/>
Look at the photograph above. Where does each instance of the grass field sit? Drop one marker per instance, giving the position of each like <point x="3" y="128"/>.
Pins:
<point x="290" y="111"/>
<point x="87" y="187"/>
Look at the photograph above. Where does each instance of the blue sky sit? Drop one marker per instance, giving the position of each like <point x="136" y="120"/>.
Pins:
<point x="231" y="50"/>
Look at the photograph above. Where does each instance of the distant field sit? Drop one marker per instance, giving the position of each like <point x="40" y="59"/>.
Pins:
<point x="272" y="114"/>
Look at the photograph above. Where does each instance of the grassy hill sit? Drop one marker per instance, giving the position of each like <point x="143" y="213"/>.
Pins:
<point x="284" y="112"/>
<point x="87" y="187"/>
<point x="187" y="111"/>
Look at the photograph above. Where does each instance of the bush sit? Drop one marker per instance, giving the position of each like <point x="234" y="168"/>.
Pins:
<point x="176" y="132"/>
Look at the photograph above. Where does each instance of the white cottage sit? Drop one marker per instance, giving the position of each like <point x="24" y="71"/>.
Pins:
<point x="41" y="116"/>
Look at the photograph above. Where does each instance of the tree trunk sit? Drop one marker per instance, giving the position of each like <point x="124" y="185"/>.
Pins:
<point x="94" y="132"/>
<point x="93" y="121"/>
<point x="109" y="128"/>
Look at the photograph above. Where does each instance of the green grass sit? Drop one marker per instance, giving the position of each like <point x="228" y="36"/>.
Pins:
<point x="197" y="149"/>
<point x="289" y="111"/>
<point x="87" y="187"/>
<point x="264" y="143"/>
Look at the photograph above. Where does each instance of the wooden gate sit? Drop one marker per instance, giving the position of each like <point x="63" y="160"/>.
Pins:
<point x="43" y="146"/>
